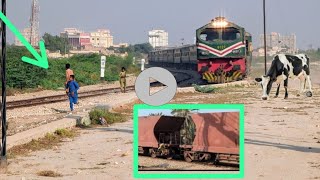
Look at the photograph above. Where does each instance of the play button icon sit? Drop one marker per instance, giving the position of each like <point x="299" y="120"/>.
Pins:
<point x="163" y="96"/>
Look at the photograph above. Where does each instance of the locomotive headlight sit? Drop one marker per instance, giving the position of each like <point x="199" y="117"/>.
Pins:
<point x="204" y="52"/>
<point x="236" y="51"/>
<point x="219" y="23"/>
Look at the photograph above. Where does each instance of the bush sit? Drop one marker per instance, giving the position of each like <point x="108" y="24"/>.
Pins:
<point x="95" y="114"/>
<point x="64" y="133"/>
<point x="204" y="89"/>
<point x="21" y="75"/>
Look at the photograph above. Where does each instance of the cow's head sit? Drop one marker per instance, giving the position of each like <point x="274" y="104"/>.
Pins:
<point x="266" y="84"/>
<point x="303" y="57"/>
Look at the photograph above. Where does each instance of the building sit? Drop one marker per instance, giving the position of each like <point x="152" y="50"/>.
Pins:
<point x="27" y="34"/>
<point x="73" y="36"/>
<point x="85" y="42"/>
<point x="277" y="43"/>
<point x="120" y="45"/>
<point x="101" y="38"/>
<point x="158" y="38"/>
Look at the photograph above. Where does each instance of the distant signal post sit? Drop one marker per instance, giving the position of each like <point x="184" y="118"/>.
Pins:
<point x="103" y="65"/>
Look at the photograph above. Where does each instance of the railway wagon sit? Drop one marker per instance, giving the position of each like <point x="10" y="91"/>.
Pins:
<point x="222" y="53"/>
<point x="203" y="137"/>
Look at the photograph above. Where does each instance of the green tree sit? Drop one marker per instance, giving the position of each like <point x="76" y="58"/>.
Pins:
<point x="188" y="130"/>
<point x="156" y="114"/>
<point x="143" y="48"/>
<point x="56" y="43"/>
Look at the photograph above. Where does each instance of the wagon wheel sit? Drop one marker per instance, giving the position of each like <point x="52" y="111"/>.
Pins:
<point x="188" y="157"/>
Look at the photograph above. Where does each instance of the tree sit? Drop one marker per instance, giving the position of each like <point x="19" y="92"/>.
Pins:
<point x="56" y="43"/>
<point x="188" y="125"/>
<point x="155" y="114"/>
<point x="143" y="48"/>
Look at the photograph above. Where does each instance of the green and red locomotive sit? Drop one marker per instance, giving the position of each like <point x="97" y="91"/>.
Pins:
<point x="223" y="53"/>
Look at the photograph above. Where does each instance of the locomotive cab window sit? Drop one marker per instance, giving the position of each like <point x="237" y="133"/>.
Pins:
<point x="230" y="34"/>
<point x="209" y="35"/>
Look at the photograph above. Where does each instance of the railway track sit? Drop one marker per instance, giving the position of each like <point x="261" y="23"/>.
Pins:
<point x="208" y="166"/>
<point x="61" y="97"/>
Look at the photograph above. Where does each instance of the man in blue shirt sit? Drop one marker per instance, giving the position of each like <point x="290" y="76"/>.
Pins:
<point x="72" y="87"/>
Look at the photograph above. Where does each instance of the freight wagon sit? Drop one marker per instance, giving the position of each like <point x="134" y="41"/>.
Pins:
<point x="203" y="137"/>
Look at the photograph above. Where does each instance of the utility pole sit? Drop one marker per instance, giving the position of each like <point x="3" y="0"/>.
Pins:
<point x="3" y="159"/>
<point x="265" y="37"/>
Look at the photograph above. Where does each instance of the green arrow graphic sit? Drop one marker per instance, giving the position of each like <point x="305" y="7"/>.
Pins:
<point x="41" y="61"/>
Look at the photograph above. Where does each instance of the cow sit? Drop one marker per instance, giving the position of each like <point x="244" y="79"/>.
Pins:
<point x="284" y="67"/>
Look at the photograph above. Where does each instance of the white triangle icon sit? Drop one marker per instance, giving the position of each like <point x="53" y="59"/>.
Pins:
<point x="152" y="80"/>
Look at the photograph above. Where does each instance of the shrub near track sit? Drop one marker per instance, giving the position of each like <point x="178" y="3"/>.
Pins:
<point x="110" y="117"/>
<point x="22" y="75"/>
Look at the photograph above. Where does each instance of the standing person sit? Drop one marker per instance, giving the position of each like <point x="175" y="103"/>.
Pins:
<point x="68" y="73"/>
<point x="122" y="77"/>
<point x="73" y="88"/>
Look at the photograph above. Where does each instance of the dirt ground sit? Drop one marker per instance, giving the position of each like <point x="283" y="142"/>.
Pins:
<point x="282" y="140"/>
<point x="98" y="153"/>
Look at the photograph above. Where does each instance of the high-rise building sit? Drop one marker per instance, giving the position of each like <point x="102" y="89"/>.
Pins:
<point x="278" y="43"/>
<point x="101" y="38"/>
<point x="158" y="38"/>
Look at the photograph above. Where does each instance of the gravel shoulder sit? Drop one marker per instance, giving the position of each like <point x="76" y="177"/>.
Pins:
<point x="21" y="119"/>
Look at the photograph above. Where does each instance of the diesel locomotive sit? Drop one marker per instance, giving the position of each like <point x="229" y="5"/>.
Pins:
<point x="222" y="53"/>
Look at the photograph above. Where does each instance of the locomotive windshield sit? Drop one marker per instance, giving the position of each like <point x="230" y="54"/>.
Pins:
<point x="230" y="34"/>
<point x="209" y="35"/>
<point x="225" y="34"/>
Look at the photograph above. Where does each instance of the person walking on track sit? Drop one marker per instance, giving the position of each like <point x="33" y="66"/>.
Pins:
<point x="73" y="88"/>
<point x="122" y="77"/>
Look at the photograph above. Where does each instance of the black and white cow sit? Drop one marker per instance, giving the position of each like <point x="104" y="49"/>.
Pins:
<point x="284" y="67"/>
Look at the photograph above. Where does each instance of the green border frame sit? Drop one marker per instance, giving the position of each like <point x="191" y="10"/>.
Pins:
<point x="138" y="107"/>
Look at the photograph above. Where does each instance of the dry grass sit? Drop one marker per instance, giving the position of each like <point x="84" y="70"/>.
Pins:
<point x="231" y="94"/>
<point x="49" y="174"/>
<point x="47" y="142"/>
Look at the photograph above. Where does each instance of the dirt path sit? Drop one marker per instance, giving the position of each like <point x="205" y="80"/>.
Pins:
<point x="282" y="137"/>
<point x="98" y="153"/>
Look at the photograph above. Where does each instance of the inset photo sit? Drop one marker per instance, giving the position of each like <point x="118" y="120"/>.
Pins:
<point x="174" y="139"/>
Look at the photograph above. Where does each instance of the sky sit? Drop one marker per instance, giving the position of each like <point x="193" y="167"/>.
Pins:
<point x="130" y="21"/>
<point x="147" y="112"/>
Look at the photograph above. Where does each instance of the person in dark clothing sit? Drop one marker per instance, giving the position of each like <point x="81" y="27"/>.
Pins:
<point x="73" y="88"/>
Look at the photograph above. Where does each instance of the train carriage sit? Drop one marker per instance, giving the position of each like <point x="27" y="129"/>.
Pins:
<point x="177" y="57"/>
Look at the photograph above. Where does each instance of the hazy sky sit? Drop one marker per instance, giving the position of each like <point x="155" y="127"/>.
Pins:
<point x="130" y="20"/>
